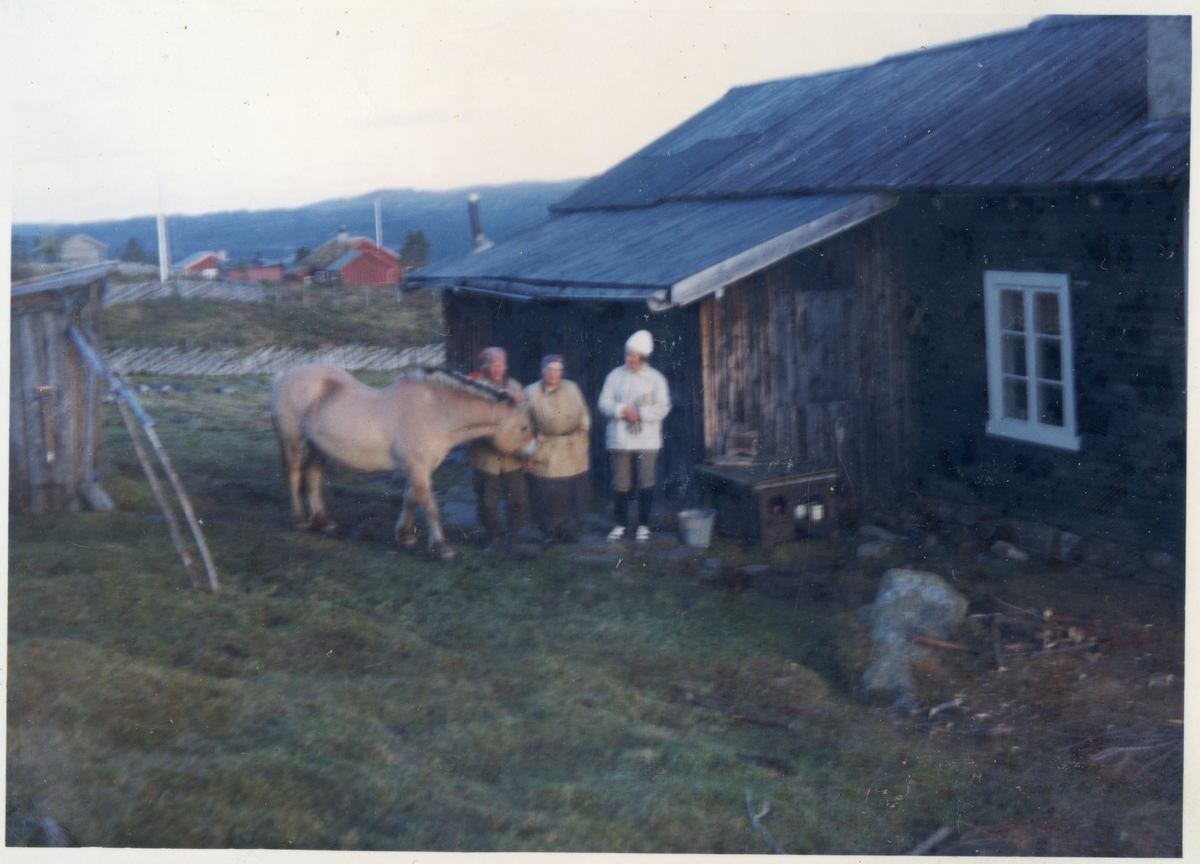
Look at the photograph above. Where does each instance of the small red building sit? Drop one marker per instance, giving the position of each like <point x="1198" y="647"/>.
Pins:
<point x="253" y="271"/>
<point x="205" y="264"/>
<point x="365" y="266"/>
<point x="349" y="260"/>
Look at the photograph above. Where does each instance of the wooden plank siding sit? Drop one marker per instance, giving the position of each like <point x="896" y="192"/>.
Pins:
<point x="54" y="399"/>
<point x="808" y="346"/>
<point x="1123" y="248"/>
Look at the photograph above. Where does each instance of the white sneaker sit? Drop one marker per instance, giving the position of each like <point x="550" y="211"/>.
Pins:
<point x="616" y="534"/>
<point x="643" y="532"/>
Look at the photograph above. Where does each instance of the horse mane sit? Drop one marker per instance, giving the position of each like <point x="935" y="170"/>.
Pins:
<point x="462" y="383"/>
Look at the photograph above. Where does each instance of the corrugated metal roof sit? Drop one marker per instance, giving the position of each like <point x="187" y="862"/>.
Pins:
<point x="672" y="252"/>
<point x="1062" y="100"/>
<point x="772" y="166"/>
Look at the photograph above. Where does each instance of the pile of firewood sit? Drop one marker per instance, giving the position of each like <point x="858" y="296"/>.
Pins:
<point x="1032" y="633"/>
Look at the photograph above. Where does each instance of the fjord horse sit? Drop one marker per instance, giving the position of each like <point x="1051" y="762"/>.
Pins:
<point x="320" y="412"/>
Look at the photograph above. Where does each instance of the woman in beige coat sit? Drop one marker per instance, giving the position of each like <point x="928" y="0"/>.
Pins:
<point x="558" y="476"/>
<point x="498" y="476"/>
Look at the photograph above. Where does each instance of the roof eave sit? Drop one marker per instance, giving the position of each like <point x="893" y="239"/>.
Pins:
<point x="724" y="273"/>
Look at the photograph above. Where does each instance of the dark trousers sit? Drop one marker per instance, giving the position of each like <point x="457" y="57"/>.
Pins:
<point x="490" y="490"/>
<point x="558" y="502"/>
<point x="633" y="479"/>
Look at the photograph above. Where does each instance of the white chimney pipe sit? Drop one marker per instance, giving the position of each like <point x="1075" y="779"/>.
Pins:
<point x="478" y="241"/>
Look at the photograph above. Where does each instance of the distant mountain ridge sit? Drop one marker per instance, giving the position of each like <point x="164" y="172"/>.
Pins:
<point x="276" y="234"/>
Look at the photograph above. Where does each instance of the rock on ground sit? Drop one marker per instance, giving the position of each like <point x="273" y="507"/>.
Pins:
<point x="909" y="602"/>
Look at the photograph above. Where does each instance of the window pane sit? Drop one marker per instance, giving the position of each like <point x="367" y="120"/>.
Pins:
<point x="1046" y="314"/>
<point x="1050" y="359"/>
<point x="1016" y="399"/>
<point x="1012" y="310"/>
<point x="1050" y="404"/>
<point x="1013" y="353"/>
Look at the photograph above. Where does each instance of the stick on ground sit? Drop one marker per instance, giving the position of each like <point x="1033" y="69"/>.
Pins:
<point x="755" y="821"/>
<point x="927" y="846"/>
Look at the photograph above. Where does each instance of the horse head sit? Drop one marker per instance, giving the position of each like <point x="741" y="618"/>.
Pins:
<point x="515" y="435"/>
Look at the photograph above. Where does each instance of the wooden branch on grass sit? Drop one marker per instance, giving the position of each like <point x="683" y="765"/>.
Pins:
<point x="755" y="820"/>
<point x="942" y="643"/>
<point x="927" y="846"/>
<point x="1063" y="649"/>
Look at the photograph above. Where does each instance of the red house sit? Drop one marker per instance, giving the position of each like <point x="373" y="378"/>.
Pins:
<point x="206" y="264"/>
<point x="365" y="265"/>
<point x="350" y="260"/>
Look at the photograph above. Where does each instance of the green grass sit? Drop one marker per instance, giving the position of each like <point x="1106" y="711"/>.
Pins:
<point x="344" y="693"/>
<point x="314" y="317"/>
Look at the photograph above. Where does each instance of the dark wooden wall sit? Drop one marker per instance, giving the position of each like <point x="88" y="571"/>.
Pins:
<point x="591" y="337"/>
<point x="1124" y="251"/>
<point x="809" y="345"/>
<point x="55" y="439"/>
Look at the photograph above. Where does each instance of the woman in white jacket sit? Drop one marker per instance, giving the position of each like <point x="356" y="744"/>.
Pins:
<point x="635" y="400"/>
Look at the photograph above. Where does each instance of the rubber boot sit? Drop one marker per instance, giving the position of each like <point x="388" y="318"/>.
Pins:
<point x="645" y="504"/>
<point x="620" y="510"/>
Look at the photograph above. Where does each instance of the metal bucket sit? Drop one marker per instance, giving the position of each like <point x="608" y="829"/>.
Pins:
<point x="695" y="527"/>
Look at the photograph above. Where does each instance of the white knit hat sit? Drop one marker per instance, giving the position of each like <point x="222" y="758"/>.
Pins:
<point x="641" y="342"/>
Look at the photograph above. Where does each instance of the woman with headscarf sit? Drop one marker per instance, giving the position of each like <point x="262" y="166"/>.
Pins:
<point x="498" y="476"/>
<point x="558" y="476"/>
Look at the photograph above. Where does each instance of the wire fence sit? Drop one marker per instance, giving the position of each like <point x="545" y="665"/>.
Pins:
<point x="268" y="361"/>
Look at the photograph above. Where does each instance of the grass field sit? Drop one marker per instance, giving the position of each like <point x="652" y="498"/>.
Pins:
<point x="343" y="693"/>
<point x="313" y="317"/>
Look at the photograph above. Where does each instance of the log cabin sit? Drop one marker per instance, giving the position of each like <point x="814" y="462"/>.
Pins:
<point x="958" y="271"/>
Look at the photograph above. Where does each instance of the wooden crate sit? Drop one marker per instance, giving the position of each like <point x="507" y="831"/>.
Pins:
<point x="768" y="502"/>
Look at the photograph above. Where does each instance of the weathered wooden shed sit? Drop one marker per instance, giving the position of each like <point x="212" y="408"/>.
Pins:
<point x="79" y="250"/>
<point x="958" y="270"/>
<point x="55" y="440"/>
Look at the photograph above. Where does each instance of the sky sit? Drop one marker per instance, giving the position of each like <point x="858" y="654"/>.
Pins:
<point x="221" y="105"/>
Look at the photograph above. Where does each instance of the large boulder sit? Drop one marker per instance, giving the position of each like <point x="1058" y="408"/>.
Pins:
<point x="909" y="603"/>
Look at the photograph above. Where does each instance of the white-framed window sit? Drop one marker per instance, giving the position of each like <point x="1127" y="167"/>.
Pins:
<point x="1030" y="359"/>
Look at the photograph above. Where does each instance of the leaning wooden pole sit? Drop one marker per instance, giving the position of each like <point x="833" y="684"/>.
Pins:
<point x="163" y="504"/>
<point x="126" y="398"/>
<point x="186" y="504"/>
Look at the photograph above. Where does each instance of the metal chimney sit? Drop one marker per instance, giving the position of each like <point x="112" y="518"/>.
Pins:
<point x="478" y="241"/>
<point x="1169" y="62"/>
<point x="378" y="226"/>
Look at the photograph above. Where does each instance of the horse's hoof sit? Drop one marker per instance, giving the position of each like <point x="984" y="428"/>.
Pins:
<point x="443" y="552"/>
<point x="408" y="540"/>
